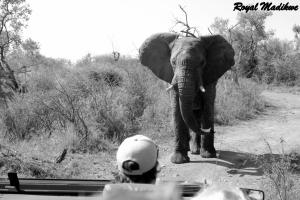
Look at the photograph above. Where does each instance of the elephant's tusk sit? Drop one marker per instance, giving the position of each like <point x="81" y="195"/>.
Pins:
<point x="170" y="87"/>
<point x="205" y="130"/>
<point x="202" y="88"/>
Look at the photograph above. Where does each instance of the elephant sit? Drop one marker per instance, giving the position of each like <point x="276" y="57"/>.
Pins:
<point x="192" y="67"/>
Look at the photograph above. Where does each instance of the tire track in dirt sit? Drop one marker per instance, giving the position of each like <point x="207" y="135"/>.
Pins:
<point x="236" y="144"/>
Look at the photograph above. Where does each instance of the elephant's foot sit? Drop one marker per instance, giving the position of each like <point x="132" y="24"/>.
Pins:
<point x="195" y="143"/>
<point x="207" y="149"/>
<point x="194" y="148"/>
<point x="208" y="154"/>
<point x="179" y="157"/>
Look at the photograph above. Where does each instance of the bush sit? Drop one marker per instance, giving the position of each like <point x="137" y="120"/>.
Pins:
<point x="24" y="117"/>
<point x="117" y="109"/>
<point x="42" y="81"/>
<point x="157" y="114"/>
<point x="110" y="111"/>
<point x="281" y="71"/>
<point x="287" y="70"/>
<point x="278" y="170"/>
<point x="111" y="78"/>
<point x="278" y="63"/>
<point x="234" y="101"/>
<point x="95" y="142"/>
<point x="85" y="101"/>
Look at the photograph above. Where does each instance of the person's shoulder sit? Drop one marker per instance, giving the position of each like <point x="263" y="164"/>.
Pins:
<point x="128" y="191"/>
<point x="220" y="192"/>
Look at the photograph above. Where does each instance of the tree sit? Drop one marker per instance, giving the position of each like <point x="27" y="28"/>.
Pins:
<point x="184" y="27"/>
<point x="13" y="17"/>
<point x="25" y="58"/>
<point x="220" y="26"/>
<point x="296" y="30"/>
<point x="249" y="35"/>
<point x="86" y="61"/>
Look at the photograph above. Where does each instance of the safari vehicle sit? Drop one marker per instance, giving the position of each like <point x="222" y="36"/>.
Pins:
<point x="13" y="187"/>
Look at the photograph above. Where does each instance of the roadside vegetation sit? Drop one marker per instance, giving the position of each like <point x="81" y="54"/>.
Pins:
<point x="64" y="115"/>
<point x="91" y="109"/>
<point x="281" y="170"/>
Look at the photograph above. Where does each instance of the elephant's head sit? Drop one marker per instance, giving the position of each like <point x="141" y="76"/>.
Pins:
<point x="187" y="63"/>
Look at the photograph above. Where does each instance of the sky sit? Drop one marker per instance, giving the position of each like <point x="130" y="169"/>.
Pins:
<point x="71" y="29"/>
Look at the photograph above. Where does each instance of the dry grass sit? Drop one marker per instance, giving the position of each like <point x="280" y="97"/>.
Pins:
<point x="37" y="158"/>
<point x="237" y="102"/>
<point x="281" y="172"/>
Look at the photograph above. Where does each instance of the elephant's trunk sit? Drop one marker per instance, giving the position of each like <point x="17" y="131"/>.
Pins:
<point x="187" y="89"/>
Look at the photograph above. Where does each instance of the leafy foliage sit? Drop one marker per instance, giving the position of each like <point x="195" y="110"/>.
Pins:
<point x="278" y="63"/>
<point x="13" y="17"/>
<point x="72" y="98"/>
<point x="259" y="55"/>
<point x="279" y="170"/>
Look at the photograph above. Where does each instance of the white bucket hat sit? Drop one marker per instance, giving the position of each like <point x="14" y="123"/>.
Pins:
<point x="139" y="149"/>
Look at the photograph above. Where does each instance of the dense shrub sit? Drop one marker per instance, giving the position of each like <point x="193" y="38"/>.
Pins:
<point x="27" y="115"/>
<point x="278" y="63"/>
<point x="109" y="112"/>
<point x="110" y="78"/>
<point x="42" y="81"/>
<point x="157" y="114"/>
<point x="82" y="101"/>
<point x="279" y="171"/>
<point x="19" y="119"/>
<point x="19" y="122"/>
<point x="87" y="104"/>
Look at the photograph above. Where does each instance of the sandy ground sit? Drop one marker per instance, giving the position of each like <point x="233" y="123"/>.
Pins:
<point x="279" y="127"/>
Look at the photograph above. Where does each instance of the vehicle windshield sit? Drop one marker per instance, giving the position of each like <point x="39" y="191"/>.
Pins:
<point x="215" y="88"/>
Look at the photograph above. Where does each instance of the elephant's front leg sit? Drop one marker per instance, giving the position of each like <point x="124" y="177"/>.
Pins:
<point x="195" y="137"/>
<point x="207" y="149"/>
<point x="181" y="132"/>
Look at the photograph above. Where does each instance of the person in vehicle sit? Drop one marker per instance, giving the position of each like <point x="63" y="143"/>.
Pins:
<point x="137" y="160"/>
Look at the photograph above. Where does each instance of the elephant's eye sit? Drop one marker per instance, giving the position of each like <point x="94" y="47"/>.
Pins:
<point x="173" y="61"/>
<point x="202" y="63"/>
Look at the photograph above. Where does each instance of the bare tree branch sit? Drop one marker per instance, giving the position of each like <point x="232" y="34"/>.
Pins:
<point x="3" y="22"/>
<point x="186" y="18"/>
<point x="210" y="31"/>
<point x="116" y="54"/>
<point x="232" y="27"/>
<point x="188" y="31"/>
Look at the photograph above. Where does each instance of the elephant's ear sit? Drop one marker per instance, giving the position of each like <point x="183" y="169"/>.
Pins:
<point x="155" y="53"/>
<point x="219" y="58"/>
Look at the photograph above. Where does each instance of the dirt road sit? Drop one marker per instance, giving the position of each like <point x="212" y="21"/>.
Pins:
<point x="236" y="144"/>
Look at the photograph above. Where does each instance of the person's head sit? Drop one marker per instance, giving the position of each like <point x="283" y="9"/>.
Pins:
<point x="137" y="160"/>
